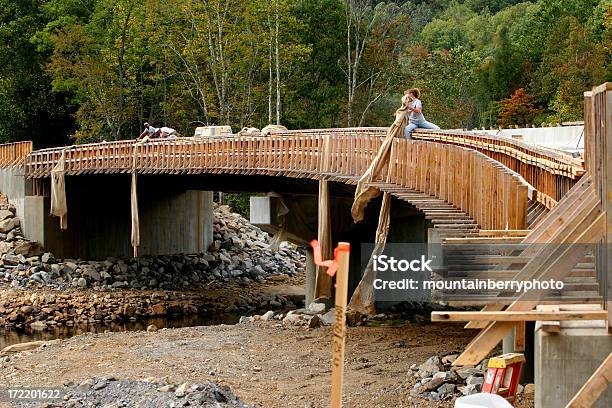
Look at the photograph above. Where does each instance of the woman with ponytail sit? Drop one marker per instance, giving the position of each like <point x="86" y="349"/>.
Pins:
<point x="416" y="118"/>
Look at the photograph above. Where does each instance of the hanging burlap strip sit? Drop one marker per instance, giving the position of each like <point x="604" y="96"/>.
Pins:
<point x="59" y="208"/>
<point x="365" y="193"/>
<point x="135" y="238"/>
<point x="135" y="220"/>
<point x="363" y="299"/>
<point x="281" y="216"/>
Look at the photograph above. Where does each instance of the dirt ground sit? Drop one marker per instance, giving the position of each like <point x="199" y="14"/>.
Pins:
<point x="265" y="364"/>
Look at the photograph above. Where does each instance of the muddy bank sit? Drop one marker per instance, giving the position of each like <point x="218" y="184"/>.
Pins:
<point x="265" y="363"/>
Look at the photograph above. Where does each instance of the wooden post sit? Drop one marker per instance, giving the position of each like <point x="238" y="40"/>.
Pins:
<point x="340" y="328"/>
<point x="323" y="280"/>
<point x="607" y="198"/>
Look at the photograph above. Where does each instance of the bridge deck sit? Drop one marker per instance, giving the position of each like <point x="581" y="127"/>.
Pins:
<point x="490" y="193"/>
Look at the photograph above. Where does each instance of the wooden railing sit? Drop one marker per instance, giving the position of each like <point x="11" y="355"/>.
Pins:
<point x="495" y="196"/>
<point x="551" y="173"/>
<point x="13" y="154"/>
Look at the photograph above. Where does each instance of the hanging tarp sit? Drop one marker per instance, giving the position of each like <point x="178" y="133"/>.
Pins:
<point x="59" y="208"/>
<point x="281" y="216"/>
<point x="365" y="193"/>
<point x="363" y="299"/>
<point x="135" y="238"/>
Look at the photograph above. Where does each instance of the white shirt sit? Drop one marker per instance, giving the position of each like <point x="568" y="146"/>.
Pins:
<point x="167" y="130"/>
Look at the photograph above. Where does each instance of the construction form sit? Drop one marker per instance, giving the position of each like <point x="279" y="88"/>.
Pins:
<point x="498" y="208"/>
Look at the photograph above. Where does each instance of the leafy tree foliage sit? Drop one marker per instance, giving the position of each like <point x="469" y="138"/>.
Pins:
<point x="81" y="70"/>
<point x="518" y="109"/>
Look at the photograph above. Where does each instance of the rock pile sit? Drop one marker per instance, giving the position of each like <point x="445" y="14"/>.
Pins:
<point x="12" y="242"/>
<point x="437" y="380"/>
<point x="111" y="393"/>
<point x="318" y="313"/>
<point x="49" y="309"/>
<point x="240" y="252"/>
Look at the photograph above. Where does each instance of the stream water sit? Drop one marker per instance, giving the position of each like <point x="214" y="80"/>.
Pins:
<point x="10" y="336"/>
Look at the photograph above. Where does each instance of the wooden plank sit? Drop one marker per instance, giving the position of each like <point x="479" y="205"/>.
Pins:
<point x="519" y="337"/>
<point x="339" y="333"/>
<point x="483" y="324"/>
<point x="518" y="316"/>
<point x="323" y="280"/>
<point x="594" y="387"/>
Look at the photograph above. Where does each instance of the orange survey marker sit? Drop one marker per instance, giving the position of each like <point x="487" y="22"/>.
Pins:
<point x="503" y="375"/>
<point x="338" y="266"/>
<point x="331" y="265"/>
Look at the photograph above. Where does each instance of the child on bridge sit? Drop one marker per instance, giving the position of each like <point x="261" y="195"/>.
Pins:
<point x="416" y="118"/>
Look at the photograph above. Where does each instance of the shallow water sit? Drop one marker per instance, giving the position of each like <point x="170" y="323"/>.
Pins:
<point x="10" y="336"/>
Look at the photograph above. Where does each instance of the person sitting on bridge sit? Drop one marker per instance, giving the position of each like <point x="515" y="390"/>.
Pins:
<point x="149" y="131"/>
<point x="416" y="118"/>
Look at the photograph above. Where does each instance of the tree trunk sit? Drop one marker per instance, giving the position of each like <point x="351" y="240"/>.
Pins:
<point x="270" y="72"/>
<point x="349" y="65"/>
<point x="278" y="90"/>
<point x="121" y="72"/>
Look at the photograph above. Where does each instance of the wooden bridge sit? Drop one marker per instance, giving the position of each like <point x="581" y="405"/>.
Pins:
<point x="493" y="182"/>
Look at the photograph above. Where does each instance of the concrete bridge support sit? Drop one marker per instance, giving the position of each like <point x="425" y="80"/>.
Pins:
<point x="173" y="218"/>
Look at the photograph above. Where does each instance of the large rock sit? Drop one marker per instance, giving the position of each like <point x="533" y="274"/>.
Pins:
<point x="446" y="390"/>
<point x="4" y="214"/>
<point x="92" y="273"/>
<point x="474" y="380"/>
<point x="27" y="248"/>
<point x="471" y="389"/>
<point x="320" y="305"/>
<point x="431" y="385"/>
<point x="328" y="318"/>
<point x="11" y="259"/>
<point x="430" y="367"/>
<point x="8" y="224"/>
<point x="447" y="376"/>
<point x="464" y="373"/>
<point x="32" y="345"/>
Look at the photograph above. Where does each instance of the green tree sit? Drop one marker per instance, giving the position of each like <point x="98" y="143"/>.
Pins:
<point x="446" y="80"/>
<point x="318" y="91"/>
<point x="28" y="108"/>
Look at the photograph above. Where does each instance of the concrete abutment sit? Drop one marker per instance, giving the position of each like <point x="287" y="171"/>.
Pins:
<point x="173" y="218"/>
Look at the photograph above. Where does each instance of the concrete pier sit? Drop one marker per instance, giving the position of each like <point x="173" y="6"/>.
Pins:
<point x="565" y="361"/>
<point x="173" y="218"/>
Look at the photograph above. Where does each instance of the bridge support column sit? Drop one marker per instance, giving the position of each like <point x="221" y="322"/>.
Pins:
<point x="173" y="219"/>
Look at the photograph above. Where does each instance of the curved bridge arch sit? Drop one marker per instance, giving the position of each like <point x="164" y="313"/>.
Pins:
<point x="427" y="174"/>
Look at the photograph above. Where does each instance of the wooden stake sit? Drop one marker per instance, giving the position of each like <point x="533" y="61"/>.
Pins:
<point x="340" y="328"/>
<point x="323" y="280"/>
